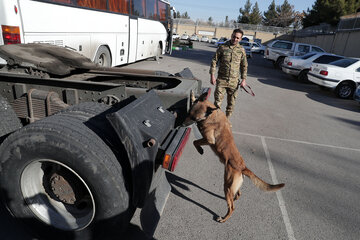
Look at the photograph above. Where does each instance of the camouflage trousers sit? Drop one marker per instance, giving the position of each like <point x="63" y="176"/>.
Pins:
<point x="230" y="89"/>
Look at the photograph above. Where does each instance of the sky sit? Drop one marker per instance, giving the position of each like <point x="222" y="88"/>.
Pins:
<point x="219" y="9"/>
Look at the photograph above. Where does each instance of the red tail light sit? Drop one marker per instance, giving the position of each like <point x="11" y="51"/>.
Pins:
<point x="289" y="63"/>
<point x="171" y="159"/>
<point x="11" y="34"/>
<point x="325" y="73"/>
<point x="267" y="51"/>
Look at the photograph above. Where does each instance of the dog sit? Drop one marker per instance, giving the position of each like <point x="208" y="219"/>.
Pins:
<point x="216" y="131"/>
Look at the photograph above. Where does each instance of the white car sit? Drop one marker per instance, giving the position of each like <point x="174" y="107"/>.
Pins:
<point x="214" y="40"/>
<point x="194" y="38"/>
<point x="175" y="36"/>
<point x="299" y="66"/>
<point x="184" y="37"/>
<point x="247" y="45"/>
<point x="205" y="39"/>
<point x="342" y="75"/>
<point x="257" y="48"/>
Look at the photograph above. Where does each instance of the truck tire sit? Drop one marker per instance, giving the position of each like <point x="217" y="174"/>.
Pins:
<point x="60" y="178"/>
<point x="158" y="53"/>
<point x="103" y="57"/>
<point x="303" y="76"/>
<point x="279" y="62"/>
<point x="9" y="122"/>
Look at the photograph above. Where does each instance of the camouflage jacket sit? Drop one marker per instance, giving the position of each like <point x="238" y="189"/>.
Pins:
<point x="232" y="62"/>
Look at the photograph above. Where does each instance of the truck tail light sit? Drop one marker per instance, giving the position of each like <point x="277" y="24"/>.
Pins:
<point x="289" y="63"/>
<point x="323" y="72"/>
<point x="171" y="158"/>
<point x="11" y="34"/>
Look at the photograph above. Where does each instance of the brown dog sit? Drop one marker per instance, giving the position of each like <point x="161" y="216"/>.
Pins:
<point x="216" y="132"/>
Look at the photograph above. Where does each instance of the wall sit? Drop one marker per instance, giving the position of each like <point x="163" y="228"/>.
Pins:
<point x="219" y="32"/>
<point x="342" y="43"/>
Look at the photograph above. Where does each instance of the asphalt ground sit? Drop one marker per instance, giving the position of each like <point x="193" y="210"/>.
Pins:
<point x="290" y="132"/>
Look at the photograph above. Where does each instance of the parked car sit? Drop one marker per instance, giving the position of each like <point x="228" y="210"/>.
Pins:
<point x="214" y="40"/>
<point x="257" y="48"/>
<point x="175" y="36"/>
<point x="279" y="49"/>
<point x="194" y="38"/>
<point x="299" y="66"/>
<point x="221" y="41"/>
<point x="247" y="46"/>
<point x="343" y="76"/>
<point x="357" y="94"/>
<point x="204" y="39"/>
<point x="184" y="37"/>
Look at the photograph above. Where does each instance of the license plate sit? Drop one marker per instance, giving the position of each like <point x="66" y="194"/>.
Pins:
<point x="316" y="69"/>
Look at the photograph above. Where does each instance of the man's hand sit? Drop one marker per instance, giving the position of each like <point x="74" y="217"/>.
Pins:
<point x="212" y="79"/>
<point x="243" y="83"/>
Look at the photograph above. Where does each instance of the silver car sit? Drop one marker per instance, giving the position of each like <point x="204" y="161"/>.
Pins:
<point x="299" y="66"/>
<point x="357" y="94"/>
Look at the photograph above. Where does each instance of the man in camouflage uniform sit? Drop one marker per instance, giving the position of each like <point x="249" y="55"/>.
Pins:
<point x="231" y="57"/>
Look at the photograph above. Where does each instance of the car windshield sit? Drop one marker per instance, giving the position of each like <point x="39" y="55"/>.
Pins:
<point x="308" y="55"/>
<point x="345" y="62"/>
<point x="245" y="44"/>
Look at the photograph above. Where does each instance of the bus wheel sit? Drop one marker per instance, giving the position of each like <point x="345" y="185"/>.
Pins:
<point x="63" y="180"/>
<point x="8" y="119"/>
<point x="158" y="53"/>
<point x="103" y="57"/>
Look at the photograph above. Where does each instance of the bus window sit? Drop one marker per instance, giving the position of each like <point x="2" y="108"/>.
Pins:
<point x="120" y="6"/>
<point x="97" y="4"/>
<point x="138" y="8"/>
<point x="162" y="10"/>
<point x="151" y="9"/>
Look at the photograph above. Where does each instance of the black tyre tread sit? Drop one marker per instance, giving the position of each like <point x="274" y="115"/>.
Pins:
<point x="8" y="118"/>
<point x="73" y="130"/>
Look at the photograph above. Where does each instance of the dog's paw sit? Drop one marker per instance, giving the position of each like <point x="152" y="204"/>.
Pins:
<point x="220" y="220"/>
<point x="200" y="150"/>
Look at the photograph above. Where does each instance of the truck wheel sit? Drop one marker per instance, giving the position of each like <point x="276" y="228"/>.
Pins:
<point x="158" y="53"/>
<point x="62" y="180"/>
<point x="8" y="119"/>
<point x="279" y="63"/>
<point x="345" y="90"/>
<point x="103" y="57"/>
<point x="303" y="76"/>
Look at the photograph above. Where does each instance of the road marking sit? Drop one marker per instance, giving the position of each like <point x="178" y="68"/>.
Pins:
<point x="297" y="141"/>
<point x="279" y="196"/>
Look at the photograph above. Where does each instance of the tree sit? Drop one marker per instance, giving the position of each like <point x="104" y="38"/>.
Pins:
<point x="270" y="15"/>
<point x="178" y="15"/>
<point x="255" y="15"/>
<point x="329" y="11"/>
<point x="285" y="14"/>
<point x="227" y="24"/>
<point x="244" y="16"/>
<point x="185" y="16"/>
<point x="210" y="20"/>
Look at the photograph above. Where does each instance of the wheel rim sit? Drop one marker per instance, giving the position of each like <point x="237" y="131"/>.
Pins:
<point x="345" y="91"/>
<point x="57" y="195"/>
<point x="101" y="60"/>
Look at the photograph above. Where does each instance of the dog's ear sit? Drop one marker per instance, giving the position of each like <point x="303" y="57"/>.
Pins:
<point x="203" y="97"/>
<point x="209" y="111"/>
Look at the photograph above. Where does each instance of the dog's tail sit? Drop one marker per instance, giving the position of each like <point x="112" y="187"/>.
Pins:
<point x="260" y="183"/>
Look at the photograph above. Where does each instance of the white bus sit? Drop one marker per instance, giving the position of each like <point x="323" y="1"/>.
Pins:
<point x="109" y="32"/>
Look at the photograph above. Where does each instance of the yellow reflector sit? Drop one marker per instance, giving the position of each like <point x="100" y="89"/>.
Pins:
<point x="166" y="161"/>
<point x="10" y="29"/>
